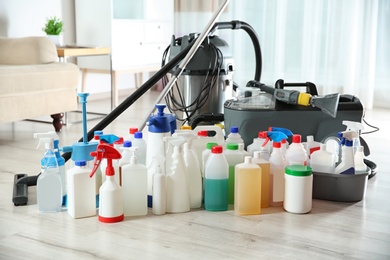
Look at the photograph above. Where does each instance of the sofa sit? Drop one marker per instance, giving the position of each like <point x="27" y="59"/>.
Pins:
<point x="33" y="83"/>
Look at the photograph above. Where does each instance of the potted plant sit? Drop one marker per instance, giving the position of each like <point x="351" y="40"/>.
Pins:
<point x="53" y="29"/>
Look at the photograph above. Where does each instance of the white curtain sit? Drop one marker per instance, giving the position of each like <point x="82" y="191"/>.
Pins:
<point x="340" y="45"/>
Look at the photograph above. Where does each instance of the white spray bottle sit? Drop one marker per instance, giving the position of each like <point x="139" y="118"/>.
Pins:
<point x="178" y="199"/>
<point x="111" y="197"/>
<point x="347" y="163"/>
<point x="356" y="127"/>
<point x="49" y="184"/>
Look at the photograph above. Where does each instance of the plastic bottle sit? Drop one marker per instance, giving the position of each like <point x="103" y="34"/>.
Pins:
<point x="200" y="143"/>
<point x="49" y="185"/>
<point x="159" y="126"/>
<point x="277" y="165"/>
<point x="178" y="199"/>
<point x="109" y="139"/>
<point x="322" y="160"/>
<point x="111" y="197"/>
<point x="205" y="155"/>
<point x="311" y="146"/>
<point x="81" y="191"/>
<point x="61" y="166"/>
<point x="132" y="131"/>
<point x="233" y="157"/>
<point x="126" y="156"/>
<point x="265" y="178"/>
<point x="216" y="181"/>
<point x="347" y="163"/>
<point x="140" y="143"/>
<point x="298" y="189"/>
<point x="296" y="153"/>
<point x="242" y="150"/>
<point x="134" y="185"/>
<point x="247" y="191"/>
<point x="159" y="188"/>
<point x="266" y="137"/>
<point x="234" y="136"/>
<point x="257" y="145"/>
<point x="356" y="127"/>
<point x="360" y="166"/>
<point x="194" y="173"/>
<point x="284" y="146"/>
<point x="118" y="144"/>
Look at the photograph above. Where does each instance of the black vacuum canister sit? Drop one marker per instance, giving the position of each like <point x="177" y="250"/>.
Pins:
<point x="257" y="112"/>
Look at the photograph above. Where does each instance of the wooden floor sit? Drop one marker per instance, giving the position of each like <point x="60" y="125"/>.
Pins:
<point x="332" y="230"/>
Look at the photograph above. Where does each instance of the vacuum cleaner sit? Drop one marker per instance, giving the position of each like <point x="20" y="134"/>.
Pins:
<point x="259" y="107"/>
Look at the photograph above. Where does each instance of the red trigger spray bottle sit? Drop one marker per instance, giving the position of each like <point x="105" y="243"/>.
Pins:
<point x="111" y="198"/>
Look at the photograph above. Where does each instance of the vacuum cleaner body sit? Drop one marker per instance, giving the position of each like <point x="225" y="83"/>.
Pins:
<point x="261" y="110"/>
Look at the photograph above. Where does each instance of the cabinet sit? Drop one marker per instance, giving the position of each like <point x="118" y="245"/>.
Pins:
<point x="137" y="31"/>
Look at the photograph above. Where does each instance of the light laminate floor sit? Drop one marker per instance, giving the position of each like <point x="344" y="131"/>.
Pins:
<point x="332" y="230"/>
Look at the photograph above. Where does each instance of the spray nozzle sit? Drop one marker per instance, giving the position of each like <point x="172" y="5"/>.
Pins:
<point x="281" y="129"/>
<point x="160" y="109"/>
<point x="108" y="138"/>
<point x="275" y="136"/>
<point x="349" y="135"/>
<point x="353" y="126"/>
<point x="105" y="151"/>
<point x="187" y="135"/>
<point x="47" y="139"/>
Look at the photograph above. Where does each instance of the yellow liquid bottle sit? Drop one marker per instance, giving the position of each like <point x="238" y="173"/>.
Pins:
<point x="265" y="178"/>
<point x="247" y="190"/>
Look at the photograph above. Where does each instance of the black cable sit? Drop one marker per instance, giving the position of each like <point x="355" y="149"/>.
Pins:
<point x="370" y="132"/>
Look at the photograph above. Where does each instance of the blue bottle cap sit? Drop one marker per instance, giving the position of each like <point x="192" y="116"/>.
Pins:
<point x="138" y="135"/>
<point x="234" y="129"/>
<point x="80" y="163"/>
<point x="127" y="143"/>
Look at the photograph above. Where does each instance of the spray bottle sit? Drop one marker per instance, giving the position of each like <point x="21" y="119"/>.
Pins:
<point x="356" y="127"/>
<point x="192" y="168"/>
<point x="61" y="166"/>
<point x="159" y="187"/>
<point x="160" y="125"/>
<point x="277" y="165"/>
<point x="134" y="185"/>
<point x="49" y="184"/>
<point x="178" y="199"/>
<point x="109" y="139"/>
<point x="111" y="197"/>
<point x="347" y="163"/>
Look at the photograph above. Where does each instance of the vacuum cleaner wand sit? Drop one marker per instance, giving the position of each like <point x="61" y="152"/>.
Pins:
<point x="185" y="61"/>
<point x="328" y="103"/>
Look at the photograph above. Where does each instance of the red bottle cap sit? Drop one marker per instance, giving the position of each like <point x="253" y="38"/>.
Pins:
<point x="216" y="149"/>
<point x="132" y="130"/>
<point x="203" y="133"/>
<point x="296" y="138"/>
<point x="276" y="145"/>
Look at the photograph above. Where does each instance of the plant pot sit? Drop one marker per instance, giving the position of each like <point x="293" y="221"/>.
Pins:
<point x="56" y="39"/>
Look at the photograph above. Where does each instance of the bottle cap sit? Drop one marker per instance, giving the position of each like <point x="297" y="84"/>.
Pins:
<point x="276" y="145"/>
<point x="132" y="130"/>
<point x="210" y="145"/>
<point x="348" y="142"/>
<point x="203" y="133"/>
<point x="216" y="149"/>
<point x="234" y="129"/>
<point x="232" y="146"/>
<point x="185" y="127"/>
<point x="298" y="170"/>
<point x="80" y="163"/>
<point x="138" y="135"/>
<point x="127" y="143"/>
<point x="296" y="138"/>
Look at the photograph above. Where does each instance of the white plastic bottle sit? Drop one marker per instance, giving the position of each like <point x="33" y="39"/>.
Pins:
<point x="234" y="136"/>
<point x="277" y="166"/>
<point x="194" y="176"/>
<point x="140" y="143"/>
<point x="81" y="191"/>
<point x="347" y="164"/>
<point x="233" y="157"/>
<point x="178" y="199"/>
<point x="242" y="150"/>
<point x="216" y="181"/>
<point x="265" y="178"/>
<point x="126" y="155"/>
<point x="134" y="186"/>
<point x="159" y="188"/>
<point x="296" y="153"/>
<point x="257" y="145"/>
<point x="322" y="160"/>
<point x="311" y="146"/>
<point x="200" y="143"/>
<point x="205" y="155"/>
<point x="49" y="186"/>
<point x="247" y="191"/>
<point x="360" y="166"/>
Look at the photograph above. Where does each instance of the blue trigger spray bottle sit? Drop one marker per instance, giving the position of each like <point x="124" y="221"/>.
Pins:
<point x="49" y="184"/>
<point x="347" y="163"/>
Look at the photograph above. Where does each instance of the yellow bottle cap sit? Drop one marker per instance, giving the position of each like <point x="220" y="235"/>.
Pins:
<point x="220" y="126"/>
<point x="185" y="127"/>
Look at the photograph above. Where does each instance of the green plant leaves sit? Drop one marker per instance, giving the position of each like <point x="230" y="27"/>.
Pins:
<point x="53" y="26"/>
